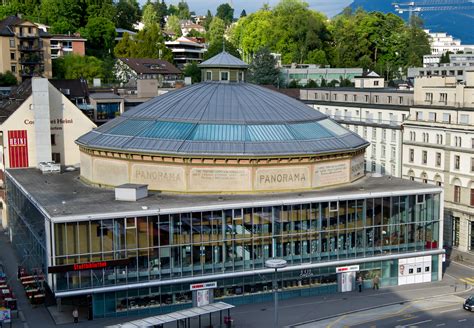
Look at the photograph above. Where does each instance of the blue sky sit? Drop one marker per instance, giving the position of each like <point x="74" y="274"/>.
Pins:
<point x="329" y="7"/>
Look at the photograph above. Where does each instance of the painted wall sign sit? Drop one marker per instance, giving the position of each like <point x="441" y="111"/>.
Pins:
<point x="88" y="266"/>
<point x="204" y="285"/>
<point x="18" y="148"/>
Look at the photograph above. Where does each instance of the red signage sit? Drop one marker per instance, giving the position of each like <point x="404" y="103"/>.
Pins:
<point x="18" y="148"/>
<point x="88" y="266"/>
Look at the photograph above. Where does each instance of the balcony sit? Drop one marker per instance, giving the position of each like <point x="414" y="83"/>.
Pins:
<point x="28" y="36"/>
<point x="27" y="48"/>
<point x="29" y="60"/>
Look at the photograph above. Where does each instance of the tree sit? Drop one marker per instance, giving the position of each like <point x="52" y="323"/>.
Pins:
<point x="294" y="84"/>
<point x="317" y="56"/>
<point x="183" y="10"/>
<point x="208" y="20"/>
<point x="217" y="47"/>
<point x="128" y="13"/>
<point x="226" y="13"/>
<point x="196" y="34"/>
<point x="149" y="15"/>
<point x="243" y="13"/>
<point x="444" y="59"/>
<point x="74" y="66"/>
<point x="263" y="68"/>
<point x="173" y="24"/>
<point x="216" y="31"/>
<point x="125" y="47"/>
<point x="311" y="84"/>
<point x="100" y="35"/>
<point x="161" y="12"/>
<point x="63" y="15"/>
<point x="150" y="44"/>
<point x="7" y="79"/>
<point x="192" y="70"/>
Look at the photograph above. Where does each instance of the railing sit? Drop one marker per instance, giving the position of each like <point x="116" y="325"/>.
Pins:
<point x="342" y="118"/>
<point x="29" y="48"/>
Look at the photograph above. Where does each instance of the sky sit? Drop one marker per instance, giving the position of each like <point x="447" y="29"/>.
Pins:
<point x="329" y="7"/>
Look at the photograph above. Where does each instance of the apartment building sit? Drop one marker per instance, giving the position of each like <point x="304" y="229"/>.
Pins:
<point x="438" y="148"/>
<point x="24" y="49"/>
<point x="305" y="72"/>
<point x="374" y="114"/>
<point x="64" y="44"/>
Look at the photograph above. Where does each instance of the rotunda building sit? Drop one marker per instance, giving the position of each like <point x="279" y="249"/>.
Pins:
<point x="222" y="135"/>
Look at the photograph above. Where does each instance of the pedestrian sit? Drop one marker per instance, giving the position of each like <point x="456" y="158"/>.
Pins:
<point x="376" y="282"/>
<point x="75" y="315"/>
<point x="359" y="283"/>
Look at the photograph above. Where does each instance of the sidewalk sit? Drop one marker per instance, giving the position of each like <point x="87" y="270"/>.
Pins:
<point x="258" y="315"/>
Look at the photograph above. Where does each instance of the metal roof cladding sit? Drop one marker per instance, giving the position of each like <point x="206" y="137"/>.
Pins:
<point x="223" y="118"/>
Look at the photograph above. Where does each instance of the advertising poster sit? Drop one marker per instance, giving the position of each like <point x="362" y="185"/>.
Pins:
<point x="5" y="315"/>
<point x="18" y="148"/>
<point x="202" y="297"/>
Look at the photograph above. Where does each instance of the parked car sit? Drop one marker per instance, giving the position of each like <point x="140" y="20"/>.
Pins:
<point x="469" y="303"/>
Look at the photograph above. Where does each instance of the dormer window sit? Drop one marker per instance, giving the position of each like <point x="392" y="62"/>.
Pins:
<point x="224" y="76"/>
<point x="208" y="76"/>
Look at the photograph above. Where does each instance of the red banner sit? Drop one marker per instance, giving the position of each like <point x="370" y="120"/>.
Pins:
<point x="18" y="148"/>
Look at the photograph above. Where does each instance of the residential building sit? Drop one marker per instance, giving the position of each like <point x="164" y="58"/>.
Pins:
<point x="374" y="114"/>
<point x="451" y="69"/>
<point x="305" y="72"/>
<point x="130" y="70"/>
<point x="119" y="32"/>
<point x="438" y="149"/>
<point x="369" y="80"/>
<point x="237" y="174"/>
<point x="187" y="50"/>
<point x="24" y="49"/>
<point x="39" y="124"/>
<point x="442" y="42"/>
<point x="464" y="59"/>
<point x="106" y="106"/>
<point x="188" y="25"/>
<point x="63" y="44"/>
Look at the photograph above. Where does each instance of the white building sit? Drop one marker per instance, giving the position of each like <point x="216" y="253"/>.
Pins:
<point x="374" y="114"/>
<point x="305" y="72"/>
<point x="438" y="148"/>
<point x="442" y="42"/>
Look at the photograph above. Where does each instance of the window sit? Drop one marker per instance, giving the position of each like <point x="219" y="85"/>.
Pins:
<point x="389" y="99"/>
<point x="379" y="114"/>
<point x="419" y="116"/>
<point x="456" y="162"/>
<point x="394" y="153"/>
<point x="424" y="156"/>
<point x="376" y="83"/>
<point x="224" y="76"/>
<point x="464" y="119"/>
<point x="208" y="76"/>
<point x="383" y="151"/>
<point x="429" y="97"/>
<point x="446" y="118"/>
<point x="472" y="143"/>
<point x="457" y="142"/>
<point x="412" y="156"/>
<point x="400" y="100"/>
<point x="376" y="98"/>
<point x="345" y="97"/>
<point x="354" y="97"/>
<point x="56" y="157"/>
<point x="374" y="133"/>
<point x="426" y="137"/>
<point x="12" y="43"/>
<point x="394" y="135"/>
<point x="12" y="56"/>
<point x="365" y="132"/>
<point x="443" y="97"/>
<point x="366" y="98"/>
<point x="472" y="164"/>
<point x="439" y="139"/>
<point x="438" y="159"/>
<point x="53" y="140"/>
<point x="373" y="166"/>
<point x="13" y="68"/>
<point x="384" y="134"/>
<point x="457" y="194"/>
<point x="412" y="136"/>
<point x="432" y="117"/>
<point x="374" y="150"/>
<point x="327" y="96"/>
<point x="335" y="96"/>
<point x="472" y="199"/>
<point x="241" y="76"/>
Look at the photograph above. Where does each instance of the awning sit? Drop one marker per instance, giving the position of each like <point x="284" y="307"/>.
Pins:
<point x="175" y="316"/>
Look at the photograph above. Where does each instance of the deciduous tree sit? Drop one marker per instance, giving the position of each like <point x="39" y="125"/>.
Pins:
<point x="263" y="68"/>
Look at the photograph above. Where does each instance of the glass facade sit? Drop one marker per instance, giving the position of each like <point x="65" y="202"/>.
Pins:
<point x="168" y="247"/>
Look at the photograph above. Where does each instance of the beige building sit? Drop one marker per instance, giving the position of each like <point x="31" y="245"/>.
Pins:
<point x="60" y="125"/>
<point x="24" y="49"/>
<point x="439" y="149"/>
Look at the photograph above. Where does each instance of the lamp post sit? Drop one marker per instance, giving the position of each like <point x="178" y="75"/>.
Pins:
<point x="275" y="264"/>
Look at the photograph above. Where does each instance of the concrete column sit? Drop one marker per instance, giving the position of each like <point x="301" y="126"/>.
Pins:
<point x="42" y="119"/>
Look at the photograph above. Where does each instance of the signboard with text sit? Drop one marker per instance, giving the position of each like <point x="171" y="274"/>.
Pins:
<point x="88" y="266"/>
<point x="204" y="285"/>
<point x="18" y="148"/>
<point x="350" y="268"/>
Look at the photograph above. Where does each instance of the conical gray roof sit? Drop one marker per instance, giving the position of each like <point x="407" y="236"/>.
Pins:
<point x="223" y="119"/>
<point x="224" y="59"/>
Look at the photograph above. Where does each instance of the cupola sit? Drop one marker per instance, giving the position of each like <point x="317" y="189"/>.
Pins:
<point x="223" y="68"/>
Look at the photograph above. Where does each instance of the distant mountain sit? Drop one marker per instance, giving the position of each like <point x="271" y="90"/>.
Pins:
<point x="459" y="24"/>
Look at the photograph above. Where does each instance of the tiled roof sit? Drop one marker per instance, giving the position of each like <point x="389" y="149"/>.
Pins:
<point x="150" y="66"/>
<point x="19" y="95"/>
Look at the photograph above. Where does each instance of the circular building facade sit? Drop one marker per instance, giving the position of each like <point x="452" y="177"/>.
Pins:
<point x="222" y="136"/>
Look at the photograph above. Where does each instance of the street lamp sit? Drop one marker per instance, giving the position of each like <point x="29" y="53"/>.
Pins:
<point x="275" y="264"/>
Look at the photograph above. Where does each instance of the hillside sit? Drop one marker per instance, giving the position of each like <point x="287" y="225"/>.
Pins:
<point x="457" y="23"/>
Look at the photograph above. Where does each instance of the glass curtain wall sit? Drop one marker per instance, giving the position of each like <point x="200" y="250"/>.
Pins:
<point x="202" y="243"/>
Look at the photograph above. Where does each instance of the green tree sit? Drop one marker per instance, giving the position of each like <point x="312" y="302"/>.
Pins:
<point x="161" y="12"/>
<point x="150" y="44"/>
<point x="294" y="84"/>
<point x="196" y="34"/>
<point x="75" y="66"/>
<point x="7" y="79"/>
<point x="128" y="13"/>
<point x="125" y="48"/>
<point x="106" y="9"/>
<point x="445" y="58"/>
<point x="149" y="15"/>
<point x="192" y="70"/>
<point x="263" y="68"/>
<point x="216" y="31"/>
<point x="311" y="84"/>
<point x="63" y="15"/>
<point x="183" y="10"/>
<point x="218" y="47"/>
<point x="208" y="20"/>
<point x="317" y="56"/>
<point x="100" y="35"/>
<point x="173" y="24"/>
<point x="226" y="13"/>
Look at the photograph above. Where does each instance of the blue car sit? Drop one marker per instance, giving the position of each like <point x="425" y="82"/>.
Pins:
<point x="469" y="303"/>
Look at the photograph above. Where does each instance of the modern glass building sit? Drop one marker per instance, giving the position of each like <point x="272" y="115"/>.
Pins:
<point x="230" y="187"/>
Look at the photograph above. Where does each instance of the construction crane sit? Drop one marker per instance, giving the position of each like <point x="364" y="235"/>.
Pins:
<point x="432" y="5"/>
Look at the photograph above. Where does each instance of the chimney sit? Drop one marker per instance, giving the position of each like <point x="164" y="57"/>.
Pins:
<point x="40" y="90"/>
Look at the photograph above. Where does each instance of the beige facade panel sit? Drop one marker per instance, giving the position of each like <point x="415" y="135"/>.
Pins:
<point x="331" y="173"/>
<point x="159" y="177"/>
<point x="283" y="178"/>
<point x="109" y="172"/>
<point x="219" y="179"/>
